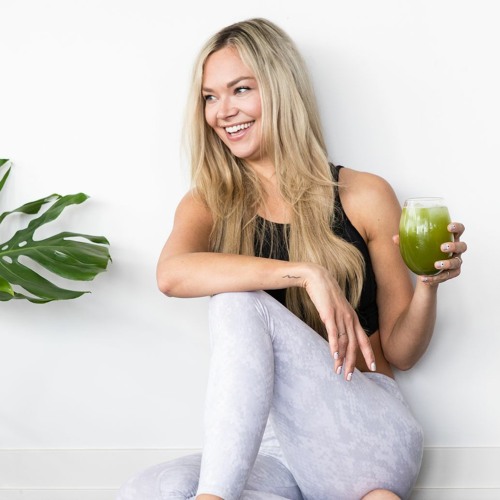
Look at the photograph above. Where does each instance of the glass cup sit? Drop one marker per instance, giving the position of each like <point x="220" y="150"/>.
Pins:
<point x="423" y="228"/>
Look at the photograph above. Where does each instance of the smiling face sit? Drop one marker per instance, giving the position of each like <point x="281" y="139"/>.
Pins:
<point x="233" y="104"/>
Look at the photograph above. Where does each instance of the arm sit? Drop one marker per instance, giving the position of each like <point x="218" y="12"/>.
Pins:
<point x="186" y="268"/>
<point x="424" y="301"/>
<point x="407" y="314"/>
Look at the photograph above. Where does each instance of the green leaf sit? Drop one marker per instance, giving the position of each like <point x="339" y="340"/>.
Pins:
<point x="6" y="292"/>
<point x="33" y="207"/>
<point x="4" y="178"/>
<point x="32" y="282"/>
<point x="61" y="254"/>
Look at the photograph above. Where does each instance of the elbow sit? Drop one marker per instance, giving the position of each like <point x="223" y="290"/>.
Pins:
<point x="401" y="357"/>
<point x="174" y="278"/>
<point x="402" y="363"/>
<point x="165" y="286"/>
<point x="403" y="366"/>
<point x="167" y="282"/>
<point x="170" y="287"/>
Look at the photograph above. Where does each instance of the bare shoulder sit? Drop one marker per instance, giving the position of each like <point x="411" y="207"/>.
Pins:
<point x="192" y="207"/>
<point x="192" y="226"/>
<point x="365" y="186"/>
<point x="369" y="201"/>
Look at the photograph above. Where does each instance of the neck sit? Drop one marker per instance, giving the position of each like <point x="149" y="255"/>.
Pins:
<point x="265" y="170"/>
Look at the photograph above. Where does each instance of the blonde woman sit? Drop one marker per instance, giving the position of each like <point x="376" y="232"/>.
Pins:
<point x="311" y="305"/>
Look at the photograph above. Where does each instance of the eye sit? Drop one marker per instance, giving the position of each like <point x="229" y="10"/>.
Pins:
<point x="241" y="90"/>
<point x="208" y="97"/>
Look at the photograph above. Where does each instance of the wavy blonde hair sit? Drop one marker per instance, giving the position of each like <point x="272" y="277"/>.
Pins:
<point x="293" y="139"/>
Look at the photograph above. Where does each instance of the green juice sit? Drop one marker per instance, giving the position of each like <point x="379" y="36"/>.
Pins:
<point x="422" y="231"/>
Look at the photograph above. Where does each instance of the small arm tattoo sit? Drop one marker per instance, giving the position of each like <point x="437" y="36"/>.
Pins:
<point x="291" y="277"/>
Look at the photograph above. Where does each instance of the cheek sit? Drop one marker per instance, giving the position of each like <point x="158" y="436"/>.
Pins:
<point x="256" y="105"/>
<point x="211" y="121"/>
<point x="209" y="116"/>
<point x="258" y="108"/>
<point x="210" y="112"/>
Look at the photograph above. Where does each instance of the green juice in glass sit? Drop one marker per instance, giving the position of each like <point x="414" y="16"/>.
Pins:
<point x="422" y="231"/>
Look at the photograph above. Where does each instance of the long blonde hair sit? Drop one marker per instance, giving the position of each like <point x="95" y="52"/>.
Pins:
<point x="293" y="139"/>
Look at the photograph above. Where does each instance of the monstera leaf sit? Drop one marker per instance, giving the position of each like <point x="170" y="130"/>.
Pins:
<point x="70" y="255"/>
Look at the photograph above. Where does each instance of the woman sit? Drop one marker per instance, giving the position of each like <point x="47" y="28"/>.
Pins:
<point x="311" y="303"/>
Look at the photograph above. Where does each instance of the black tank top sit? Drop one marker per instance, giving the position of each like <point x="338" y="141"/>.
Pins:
<point x="367" y="310"/>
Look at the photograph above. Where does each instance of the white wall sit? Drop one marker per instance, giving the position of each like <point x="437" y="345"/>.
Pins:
<point x="91" y="98"/>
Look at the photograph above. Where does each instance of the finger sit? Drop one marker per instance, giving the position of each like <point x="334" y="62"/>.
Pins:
<point x="441" y="277"/>
<point x="456" y="228"/>
<point x="456" y="247"/>
<point x="350" y="359"/>
<point x="460" y="247"/>
<point x="338" y="340"/>
<point x="337" y="344"/>
<point x="332" y="333"/>
<point x="452" y="264"/>
<point x="343" y="342"/>
<point x="366" y="349"/>
<point x="339" y="365"/>
<point x="351" y="353"/>
<point x="455" y="262"/>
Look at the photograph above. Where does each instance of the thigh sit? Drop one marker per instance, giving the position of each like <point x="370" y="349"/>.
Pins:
<point x="340" y="439"/>
<point x="178" y="480"/>
<point x="347" y="449"/>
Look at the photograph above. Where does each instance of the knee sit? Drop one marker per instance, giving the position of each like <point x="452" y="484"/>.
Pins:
<point x="234" y="312"/>
<point x="174" y="480"/>
<point x="236" y="302"/>
<point x="135" y="489"/>
<point x="381" y="495"/>
<point x="142" y="485"/>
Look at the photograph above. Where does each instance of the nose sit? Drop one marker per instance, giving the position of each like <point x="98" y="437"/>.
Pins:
<point x="226" y="108"/>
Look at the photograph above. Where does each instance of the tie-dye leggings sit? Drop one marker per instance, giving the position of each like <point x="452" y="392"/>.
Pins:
<point x="325" y="438"/>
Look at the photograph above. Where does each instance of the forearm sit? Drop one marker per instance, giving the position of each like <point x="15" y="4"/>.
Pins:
<point x="413" y="330"/>
<point x="199" y="274"/>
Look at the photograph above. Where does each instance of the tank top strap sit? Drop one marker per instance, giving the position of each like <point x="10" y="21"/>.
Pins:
<point x="335" y="169"/>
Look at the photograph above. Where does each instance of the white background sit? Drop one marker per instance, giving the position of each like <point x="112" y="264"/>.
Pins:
<point x="92" y="95"/>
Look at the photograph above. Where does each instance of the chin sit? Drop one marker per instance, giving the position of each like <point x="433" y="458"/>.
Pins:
<point x="243" y="155"/>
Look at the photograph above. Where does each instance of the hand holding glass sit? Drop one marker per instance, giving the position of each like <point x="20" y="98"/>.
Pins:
<point x="423" y="228"/>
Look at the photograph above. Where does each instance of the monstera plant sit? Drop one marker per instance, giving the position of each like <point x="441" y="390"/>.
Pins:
<point x="70" y="255"/>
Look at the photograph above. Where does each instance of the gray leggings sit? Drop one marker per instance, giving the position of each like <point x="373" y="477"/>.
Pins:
<point x="280" y="424"/>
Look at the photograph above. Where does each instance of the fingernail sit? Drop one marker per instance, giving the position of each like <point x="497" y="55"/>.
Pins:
<point x="373" y="367"/>
<point x="445" y="247"/>
<point x="349" y="377"/>
<point x="452" y="227"/>
<point x="339" y="370"/>
<point x="440" y="264"/>
<point x="335" y="355"/>
<point x="425" y="279"/>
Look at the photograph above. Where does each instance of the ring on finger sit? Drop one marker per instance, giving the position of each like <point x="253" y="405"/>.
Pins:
<point x="459" y="259"/>
<point x="448" y="274"/>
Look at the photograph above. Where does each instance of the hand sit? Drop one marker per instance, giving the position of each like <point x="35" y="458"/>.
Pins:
<point x="345" y="333"/>
<point x="452" y="267"/>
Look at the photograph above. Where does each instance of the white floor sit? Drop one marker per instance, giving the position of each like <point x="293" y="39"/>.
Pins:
<point x="447" y="473"/>
<point x="420" y="494"/>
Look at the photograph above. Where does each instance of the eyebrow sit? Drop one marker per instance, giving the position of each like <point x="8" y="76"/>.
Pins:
<point x="231" y="83"/>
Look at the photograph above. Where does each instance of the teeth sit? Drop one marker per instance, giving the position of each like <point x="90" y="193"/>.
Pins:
<point x="237" y="128"/>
